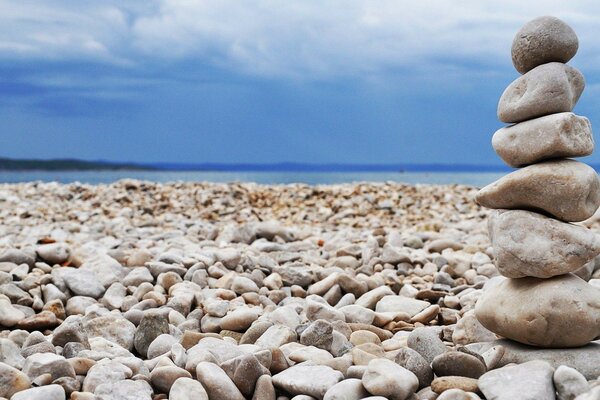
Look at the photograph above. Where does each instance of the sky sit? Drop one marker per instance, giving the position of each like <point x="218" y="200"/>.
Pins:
<point x="265" y="81"/>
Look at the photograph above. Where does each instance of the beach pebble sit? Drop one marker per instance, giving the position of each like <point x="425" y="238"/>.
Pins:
<point x="48" y="392"/>
<point x="528" y="381"/>
<point x="552" y="136"/>
<point x="313" y="380"/>
<point x="569" y="383"/>
<point x="388" y="379"/>
<point x="426" y="342"/>
<point x="348" y="389"/>
<point x="216" y="382"/>
<point x="549" y="307"/>
<point x="187" y="389"/>
<point x="457" y="363"/>
<point x="543" y="40"/>
<point x="546" y="89"/>
<point x="566" y="189"/>
<point x="530" y="244"/>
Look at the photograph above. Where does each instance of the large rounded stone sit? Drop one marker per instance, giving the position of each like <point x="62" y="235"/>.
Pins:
<point x="562" y="311"/>
<point x="547" y="89"/>
<point x="530" y="244"/>
<point x="216" y="382"/>
<point x="49" y="392"/>
<point x="553" y="136"/>
<point x="187" y="389"/>
<point x="543" y="40"/>
<point x="566" y="189"/>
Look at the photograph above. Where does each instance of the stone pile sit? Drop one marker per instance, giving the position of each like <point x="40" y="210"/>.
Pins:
<point x="535" y="243"/>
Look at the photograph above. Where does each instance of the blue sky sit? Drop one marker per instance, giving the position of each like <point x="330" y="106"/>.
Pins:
<point x="268" y="81"/>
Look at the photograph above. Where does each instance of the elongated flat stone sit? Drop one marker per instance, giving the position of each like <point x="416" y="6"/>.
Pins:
<point x="562" y="311"/>
<point x="547" y="89"/>
<point x="529" y="244"/>
<point x="553" y="136"/>
<point x="566" y="189"/>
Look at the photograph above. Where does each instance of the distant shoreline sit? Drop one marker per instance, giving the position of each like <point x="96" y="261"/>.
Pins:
<point x="16" y="165"/>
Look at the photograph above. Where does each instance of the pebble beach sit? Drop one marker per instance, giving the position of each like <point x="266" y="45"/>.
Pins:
<point x="138" y="291"/>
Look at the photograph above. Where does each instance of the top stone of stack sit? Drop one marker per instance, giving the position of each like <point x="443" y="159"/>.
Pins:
<point x="541" y="41"/>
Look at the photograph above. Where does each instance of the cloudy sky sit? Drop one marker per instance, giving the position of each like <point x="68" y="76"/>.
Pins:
<point x="260" y="81"/>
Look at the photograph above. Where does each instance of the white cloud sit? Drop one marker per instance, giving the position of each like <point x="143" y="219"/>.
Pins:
<point x="303" y="38"/>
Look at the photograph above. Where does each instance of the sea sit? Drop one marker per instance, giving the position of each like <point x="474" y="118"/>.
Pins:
<point x="478" y="179"/>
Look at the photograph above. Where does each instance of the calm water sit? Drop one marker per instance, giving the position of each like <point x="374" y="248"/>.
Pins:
<point x="94" y="177"/>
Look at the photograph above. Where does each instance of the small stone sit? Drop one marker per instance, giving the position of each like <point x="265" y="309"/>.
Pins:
<point x="552" y="136"/>
<point x="543" y="40"/>
<point x="84" y="283"/>
<point x="548" y="306"/>
<point x="244" y="372"/>
<point x="71" y="330"/>
<point x="531" y="244"/>
<point x="348" y="389"/>
<point x="161" y="345"/>
<point x="401" y="304"/>
<point x="313" y="380"/>
<point x="319" y="334"/>
<point x="426" y="342"/>
<point x="124" y="390"/>
<point x="47" y="363"/>
<point x="216" y="382"/>
<point x="415" y="363"/>
<point x="54" y="253"/>
<point x="12" y="380"/>
<point x="444" y="383"/>
<point x="49" y="392"/>
<point x="187" y="389"/>
<point x="457" y="363"/>
<point x="153" y="324"/>
<point x="264" y="389"/>
<point x="469" y="330"/>
<point x="242" y="285"/>
<point x="493" y="356"/>
<point x="239" y="319"/>
<point x="528" y="381"/>
<point x="162" y="378"/>
<point x="10" y="354"/>
<point x="114" y="328"/>
<point x="566" y="189"/>
<point x="388" y="379"/>
<point x="569" y="383"/>
<point x="276" y="336"/>
<point x="546" y="89"/>
<point x="457" y="394"/>
<point x="106" y="372"/>
<point x="9" y="315"/>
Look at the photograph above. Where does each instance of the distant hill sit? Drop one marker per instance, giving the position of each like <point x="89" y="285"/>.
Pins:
<point x="330" y="167"/>
<point x="9" y="164"/>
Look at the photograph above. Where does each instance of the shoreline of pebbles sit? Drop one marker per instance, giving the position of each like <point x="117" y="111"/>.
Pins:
<point x="141" y="291"/>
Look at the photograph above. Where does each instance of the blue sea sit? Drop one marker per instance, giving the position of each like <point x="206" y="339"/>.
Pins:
<point x="313" y="178"/>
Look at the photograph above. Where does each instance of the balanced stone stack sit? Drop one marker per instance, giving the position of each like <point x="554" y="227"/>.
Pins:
<point x="543" y="302"/>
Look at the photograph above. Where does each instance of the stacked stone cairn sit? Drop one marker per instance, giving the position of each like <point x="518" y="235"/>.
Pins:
<point x="535" y="243"/>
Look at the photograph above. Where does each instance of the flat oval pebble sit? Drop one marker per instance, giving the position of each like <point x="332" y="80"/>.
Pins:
<point x="552" y="136"/>
<point x="566" y="189"/>
<point x="543" y="40"/>
<point x="562" y="311"/>
<point x="530" y="244"/>
<point x="547" y="89"/>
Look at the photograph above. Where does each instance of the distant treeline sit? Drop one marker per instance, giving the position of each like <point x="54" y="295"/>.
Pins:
<point x="66" y="165"/>
<point x="81" y="165"/>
